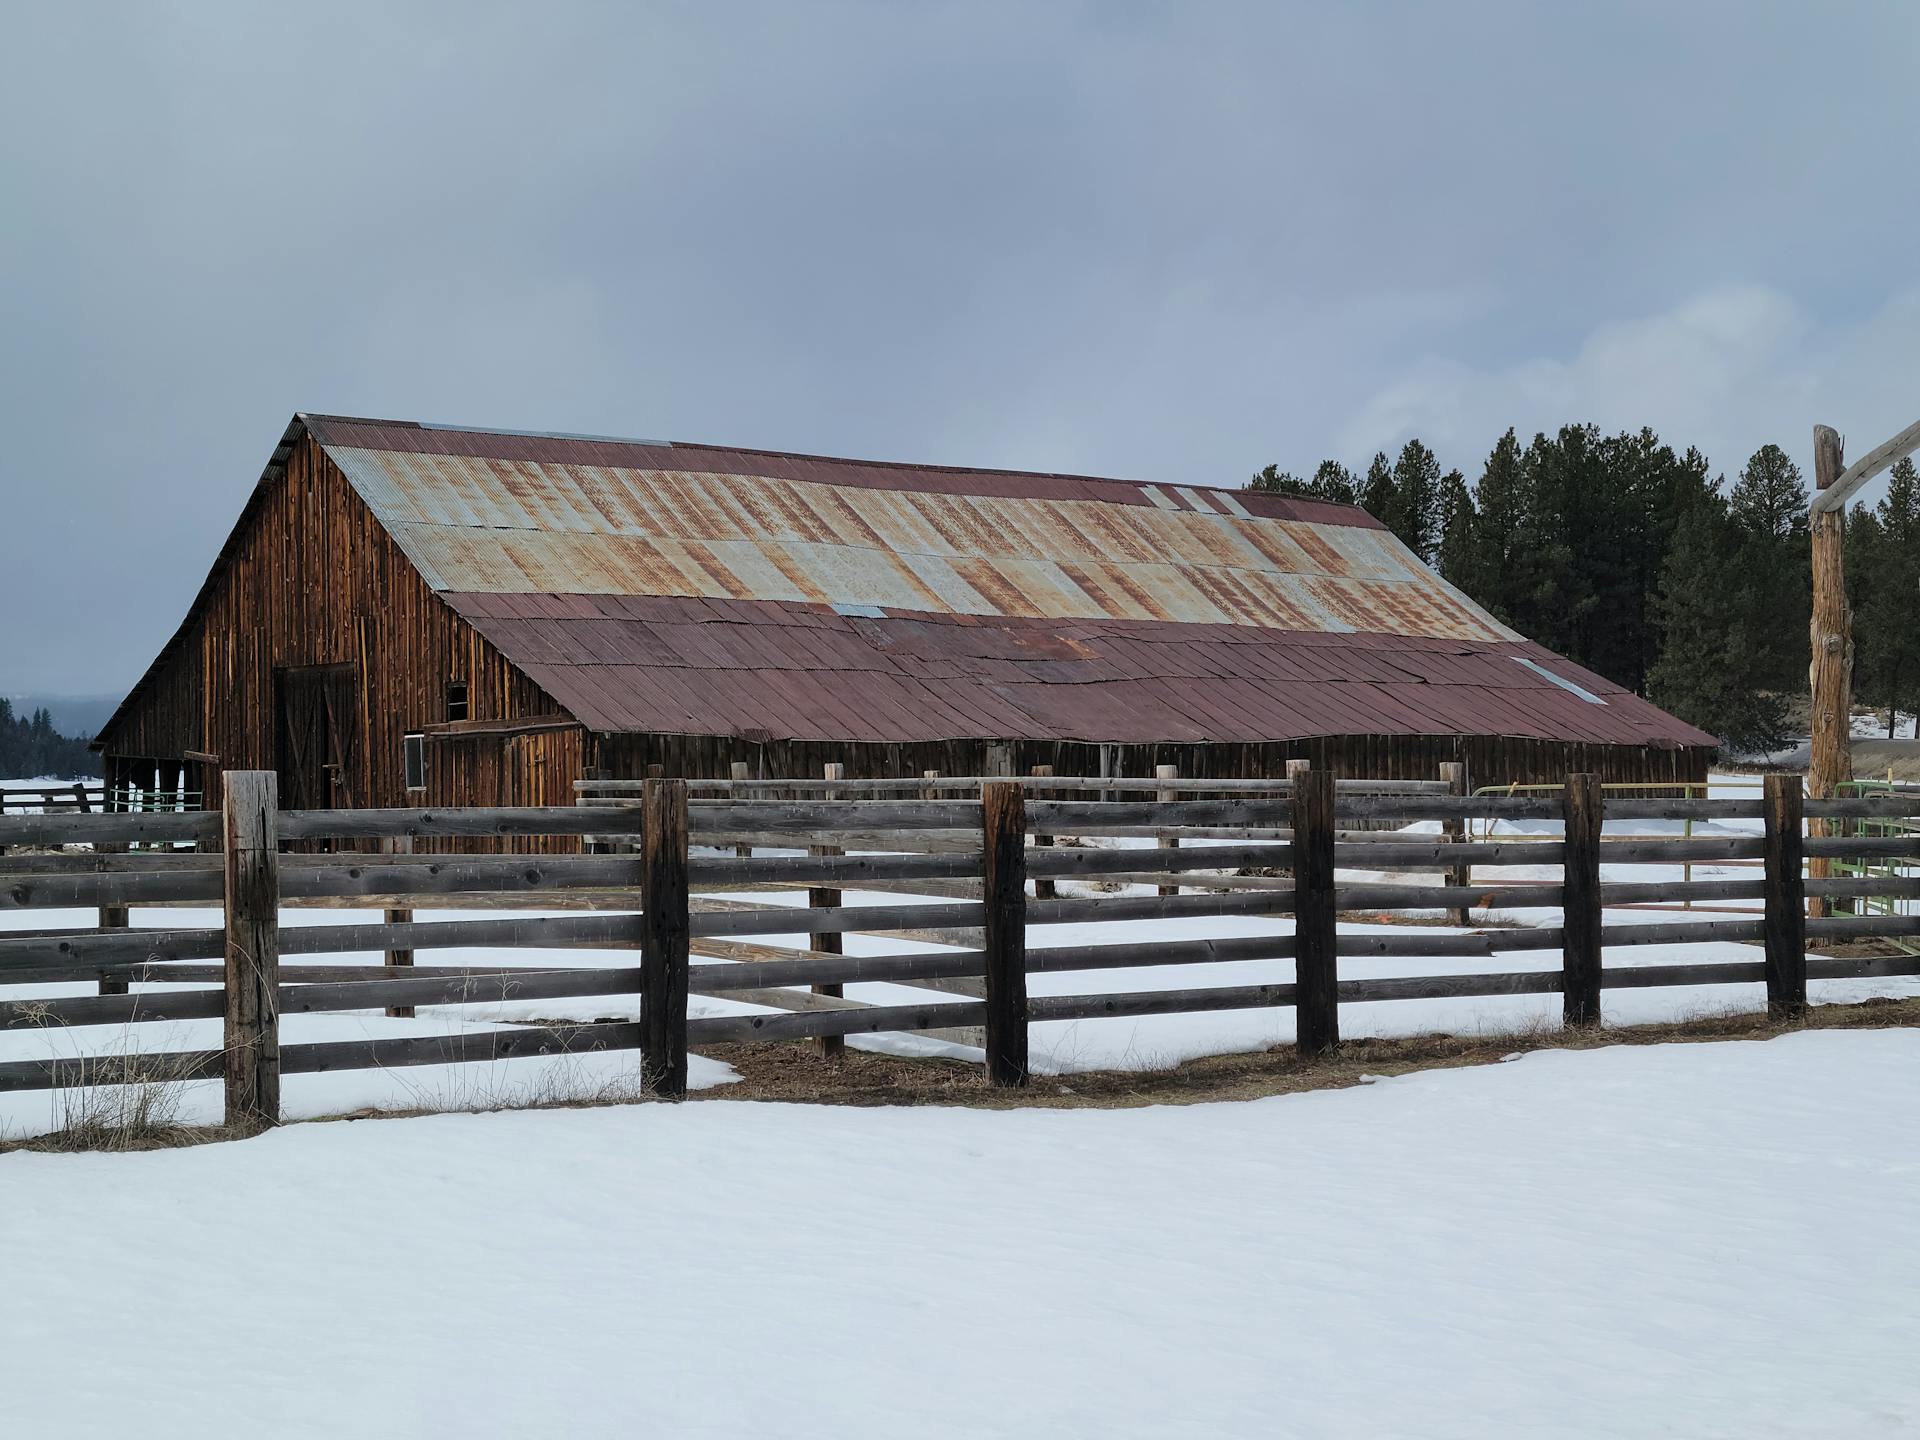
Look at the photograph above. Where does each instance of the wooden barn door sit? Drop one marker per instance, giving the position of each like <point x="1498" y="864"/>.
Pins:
<point x="317" y="735"/>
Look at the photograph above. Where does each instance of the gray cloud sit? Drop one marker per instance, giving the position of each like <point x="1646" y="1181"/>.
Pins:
<point x="1175" y="242"/>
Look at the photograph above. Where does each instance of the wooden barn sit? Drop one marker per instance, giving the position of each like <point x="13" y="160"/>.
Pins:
<point x="416" y="614"/>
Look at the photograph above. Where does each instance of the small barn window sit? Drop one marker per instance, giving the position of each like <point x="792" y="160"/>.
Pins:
<point x="456" y="700"/>
<point x="416" y="758"/>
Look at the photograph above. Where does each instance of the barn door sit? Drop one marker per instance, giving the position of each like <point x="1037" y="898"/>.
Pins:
<point x="317" y="736"/>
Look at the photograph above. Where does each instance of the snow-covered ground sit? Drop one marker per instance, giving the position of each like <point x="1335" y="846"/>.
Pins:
<point x="1689" y="1240"/>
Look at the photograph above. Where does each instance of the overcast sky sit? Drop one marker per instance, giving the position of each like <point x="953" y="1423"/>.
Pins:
<point x="1163" y="242"/>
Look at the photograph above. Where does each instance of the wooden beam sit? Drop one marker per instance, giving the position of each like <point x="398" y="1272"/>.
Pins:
<point x="1836" y="490"/>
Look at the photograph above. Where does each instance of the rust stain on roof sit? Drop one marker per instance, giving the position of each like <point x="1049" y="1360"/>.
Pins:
<point x="825" y="533"/>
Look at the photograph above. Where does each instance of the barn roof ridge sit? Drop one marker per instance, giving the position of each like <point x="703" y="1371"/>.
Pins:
<point x="565" y="444"/>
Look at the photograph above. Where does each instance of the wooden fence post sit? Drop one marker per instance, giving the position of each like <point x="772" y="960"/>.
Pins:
<point x="740" y="772"/>
<point x="1315" y="966"/>
<point x="1786" y="923"/>
<point x="929" y="790"/>
<point x="664" y="937"/>
<point x="1003" y="823"/>
<point x="820" y="897"/>
<point x="251" y="828"/>
<point x="398" y="845"/>
<point x="113" y="917"/>
<point x="1584" y="807"/>
<point x="1454" y="773"/>
<point x="1043" y="889"/>
<point x="1164" y="773"/>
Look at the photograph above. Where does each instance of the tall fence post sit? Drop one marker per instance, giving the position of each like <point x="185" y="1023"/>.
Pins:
<point x="113" y="917"/>
<point x="1315" y="965"/>
<point x="251" y="829"/>
<point x="1164" y="773"/>
<point x="398" y="959"/>
<point x="665" y="937"/>
<point x="1584" y="808"/>
<point x="1003" y="824"/>
<point x="1454" y="774"/>
<point x="1043" y="889"/>
<point x="1786" y="922"/>
<point x="821" y="897"/>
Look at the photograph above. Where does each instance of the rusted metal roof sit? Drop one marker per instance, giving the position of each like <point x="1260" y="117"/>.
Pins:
<point x="675" y="665"/>
<point x="677" y="521"/>
<point x="655" y="587"/>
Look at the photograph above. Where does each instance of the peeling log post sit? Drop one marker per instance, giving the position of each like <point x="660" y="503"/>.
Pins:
<point x="664" y="937"/>
<point x="1454" y="774"/>
<point x="821" y="897"/>
<point x="1166" y="795"/>
<point x="1316" y="947"/>
<point x="252" y="866"/>
<point x="929" y="790"/>
<point x="1786" y="922"/>
<point x="1580" y="944"/>
<point x="1044" y="889"/>
<point x="1003" y="822"/>
<point x="1831" y="674"/>
<point x="113" y="917"/>
<point x="398" y="845"/>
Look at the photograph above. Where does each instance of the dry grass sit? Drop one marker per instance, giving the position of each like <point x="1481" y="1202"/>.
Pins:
<point x="856" y="1077"/>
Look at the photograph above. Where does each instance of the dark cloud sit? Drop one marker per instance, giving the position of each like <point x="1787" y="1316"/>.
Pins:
<point x="1175" y="242"/>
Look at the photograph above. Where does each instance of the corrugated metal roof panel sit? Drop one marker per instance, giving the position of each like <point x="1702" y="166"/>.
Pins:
<point x="804" y="673"/>
<point x="497" y="521"/>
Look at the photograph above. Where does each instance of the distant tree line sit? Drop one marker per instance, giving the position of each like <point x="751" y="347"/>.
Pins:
<point x="30" y="746"/>
<point x="1633" y="560"/>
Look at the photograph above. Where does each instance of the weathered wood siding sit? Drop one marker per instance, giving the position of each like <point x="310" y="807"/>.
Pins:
<point x="1490" y="759"/>
<point x="313" y="579"/>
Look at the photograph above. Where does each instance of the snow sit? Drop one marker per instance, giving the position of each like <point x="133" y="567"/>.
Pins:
<point x="1699" y="1240"/>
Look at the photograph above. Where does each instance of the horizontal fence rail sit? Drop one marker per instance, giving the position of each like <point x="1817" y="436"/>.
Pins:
<point x="987" y="871"/>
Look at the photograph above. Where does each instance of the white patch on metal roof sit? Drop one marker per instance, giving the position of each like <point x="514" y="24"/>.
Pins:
<point x="1158" y="497"/>
<point x="863" y="612"/>
<point x="1560" y="680"/>
<point x="1232" y="502"/>
<point x="1193" y="498"/>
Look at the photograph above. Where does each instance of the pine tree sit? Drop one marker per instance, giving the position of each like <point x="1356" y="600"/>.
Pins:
<point x="1500" y="502"/>
<point x="1884" y="551"/>
<point x="1376" y="491"/>
<point x="1413" y="511"/>
<point x="1333" y="481"/>
<point x="1768" y="507"/>
<point x="1710" y="670"/>
<point x="1459" y="534"/>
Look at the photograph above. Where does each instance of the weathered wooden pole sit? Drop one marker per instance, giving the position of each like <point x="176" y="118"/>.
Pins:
<point x="1003" y="825"/>
<point x="1166" y="795"/>
<point x="398" y="845"/>
<point x="1043" y="889"/>
<point x="251" y="828"/>
<point x="1584" y="809"/>
<point x="1454" y="774"/>
<point x="664" y="937"/>
<point x="113" y="917"/>
<point x="1786" y="920"/>
<point x="1315" y="924"/>
<point x="823" y="897"/>
<point x="1831" y="670"/>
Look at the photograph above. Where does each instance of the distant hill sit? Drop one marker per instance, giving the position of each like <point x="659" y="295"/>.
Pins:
<point x="72" y="714"/>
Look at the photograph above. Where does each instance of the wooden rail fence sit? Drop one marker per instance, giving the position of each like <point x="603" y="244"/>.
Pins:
<point x="1282" y="850"/>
